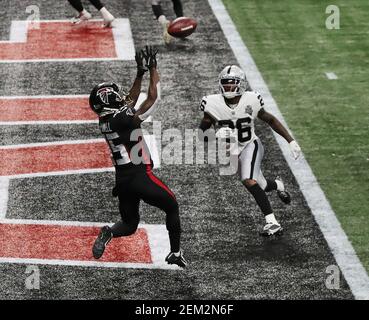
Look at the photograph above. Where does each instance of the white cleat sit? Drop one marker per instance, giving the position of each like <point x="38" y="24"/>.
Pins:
<point x="107" y="16"/>
<point x="81" y="17"/>
<point x="166" y="36"/>
<point x="271" y="229"/>
<point x="108" y="23"/>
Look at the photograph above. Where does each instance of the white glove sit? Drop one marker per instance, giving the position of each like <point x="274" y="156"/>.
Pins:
<point x="295" y="149"/>
<point x="225" y="133"/>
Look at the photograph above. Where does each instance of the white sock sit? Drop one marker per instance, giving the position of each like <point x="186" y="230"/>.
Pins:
<point x="85" y="12"/>
<point x="163" y="20"/>
<point x="270" y="218"/>
<point x="106" y="14"/>
<point x="280" y="185"/>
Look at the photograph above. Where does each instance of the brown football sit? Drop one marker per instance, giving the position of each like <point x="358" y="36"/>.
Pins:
<point x="182" y="27"/>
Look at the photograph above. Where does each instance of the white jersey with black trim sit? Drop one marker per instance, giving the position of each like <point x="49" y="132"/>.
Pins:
<point x="240" y="117"/>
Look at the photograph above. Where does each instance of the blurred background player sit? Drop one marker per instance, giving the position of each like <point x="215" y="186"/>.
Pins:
<point x="234" y="110"/>
<point x="84" y="15"/>
<point x="119" y="121"/>
<point x="159" y="14"/>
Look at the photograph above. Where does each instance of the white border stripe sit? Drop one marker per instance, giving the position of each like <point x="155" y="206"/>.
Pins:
<point x="157" y="236"/>
<point x="4" y="196"/>
<point x="59" y="173"/>
<point x="67" y="96"/>
<point x="123" y="39"/>
<point x="46" y="122"/>
<point x="47" y="144"/>
<point x="351" y="267"/>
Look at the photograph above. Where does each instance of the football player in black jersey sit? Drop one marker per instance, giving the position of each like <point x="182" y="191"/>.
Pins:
<point x="120" y="123"/>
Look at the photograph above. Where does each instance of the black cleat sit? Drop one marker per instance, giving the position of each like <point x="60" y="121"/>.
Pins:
<point x="284" y="196"/>
<point x="271" y="229"/>
<point x="101" y="242"/>
<point x="179" y="261"/>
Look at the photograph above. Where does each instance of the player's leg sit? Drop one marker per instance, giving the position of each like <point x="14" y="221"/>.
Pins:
<point x="278" y="185"/>
<point x="253" y="179"/>
<point x="162" y="19"/>
<point x="177" y="7"/>
<point x="154" y="192"/>
<point x="107" y="16"/>
<point x="83" y="14"/>
<point x="129" y="210"/>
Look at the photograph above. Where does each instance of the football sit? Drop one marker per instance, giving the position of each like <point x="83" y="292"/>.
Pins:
<point x="182" y="27"/>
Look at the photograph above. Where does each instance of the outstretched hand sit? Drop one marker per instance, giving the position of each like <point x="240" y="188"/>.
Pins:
<point x="149" y="53"/>
<point x="141" y="69"/>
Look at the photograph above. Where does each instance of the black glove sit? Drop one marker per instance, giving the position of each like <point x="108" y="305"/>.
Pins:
<point x="141" y="69"/>
<point x="149" y="53"/>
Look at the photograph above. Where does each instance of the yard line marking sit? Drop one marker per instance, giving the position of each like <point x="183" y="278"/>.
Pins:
<point x="53" y="143"/>
<point x="350" y="265"/>
<point x="331" y="75"/>
<point x="4" y="196"/>
<point x="51" y="122"/>
<point x="104" y="44"/>
<point x="151" y="240"/>
<point x="59" y="173"/>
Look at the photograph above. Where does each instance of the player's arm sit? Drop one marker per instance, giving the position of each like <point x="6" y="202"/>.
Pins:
<point x="135" y="90"/>
<point x="278" y="127"/>
<point x="206" y="122"/>
<point x="149" y="105"/>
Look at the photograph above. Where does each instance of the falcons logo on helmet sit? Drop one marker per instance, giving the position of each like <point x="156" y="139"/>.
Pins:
<point x="104" y="93"/>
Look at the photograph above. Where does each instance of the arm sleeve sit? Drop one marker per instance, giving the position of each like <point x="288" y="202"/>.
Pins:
<point x="152" y="109"/>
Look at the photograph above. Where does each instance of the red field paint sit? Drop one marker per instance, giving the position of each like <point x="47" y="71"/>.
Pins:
<point x="51" y="158"/>
<point x="59" y="242"/>
<point x="62" y="40"/>
<point x="45" y="109"/>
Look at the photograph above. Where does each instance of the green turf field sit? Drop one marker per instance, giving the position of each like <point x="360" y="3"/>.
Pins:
<point x="330" y="118"/>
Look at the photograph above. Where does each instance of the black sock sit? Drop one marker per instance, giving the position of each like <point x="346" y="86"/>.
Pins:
<point x="76" y="4"/>
<point x="271" y="185"/>
<point x="121" y="229"/>
<point x="97" y="4"/>
<point x="177" y="6"/>
<point x="175" y="239"/>
<point x="261" y="199"/>
<point x="158" y="11"/>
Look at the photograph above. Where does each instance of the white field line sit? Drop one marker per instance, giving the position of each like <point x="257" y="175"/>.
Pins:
<point x="346" y="258"/>
<point x="46" y="122"/>
<point x="4" y="195"/>
<point x="331" y="75"/>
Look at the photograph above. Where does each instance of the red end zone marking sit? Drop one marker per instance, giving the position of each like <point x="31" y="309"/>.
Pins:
<point x="31" y="241"/>
<point x="54" y="158"/>
<point x="62" y="40"/>
<point x="45" y="109"/>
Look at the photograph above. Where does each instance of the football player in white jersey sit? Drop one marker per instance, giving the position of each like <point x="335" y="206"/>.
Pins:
<point x="234" y="110"/>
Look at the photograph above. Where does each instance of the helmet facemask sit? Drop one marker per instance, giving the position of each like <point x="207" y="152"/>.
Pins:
<point x="232" y="82"/>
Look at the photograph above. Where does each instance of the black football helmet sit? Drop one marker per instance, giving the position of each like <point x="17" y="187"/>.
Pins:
<point x="105" y="99"/>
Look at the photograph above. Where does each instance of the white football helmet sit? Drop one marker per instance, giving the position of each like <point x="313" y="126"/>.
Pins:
<point x="232" y="82"/>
